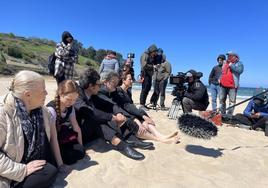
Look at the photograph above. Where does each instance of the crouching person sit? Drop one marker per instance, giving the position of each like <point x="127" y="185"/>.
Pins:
<point x="63" y="113"/>
<point x="25" y="134"/>
<point x="96" y="118"/>
<point x="196" y="96"/>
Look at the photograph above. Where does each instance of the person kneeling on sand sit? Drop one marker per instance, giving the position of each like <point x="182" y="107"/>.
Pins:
<point x="121" y="97"/>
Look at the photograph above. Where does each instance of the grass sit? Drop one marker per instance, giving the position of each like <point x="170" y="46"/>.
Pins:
<point x="35" y="53"/>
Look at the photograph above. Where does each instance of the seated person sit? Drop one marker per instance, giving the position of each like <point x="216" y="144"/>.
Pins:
<point x="96" y="116"/>
<point x="26" y="135"/>
<point x="255" y="114"/>
<point x="124" y="100"/>
<point x="196" y="96"/>
<point x="63" y="113"/>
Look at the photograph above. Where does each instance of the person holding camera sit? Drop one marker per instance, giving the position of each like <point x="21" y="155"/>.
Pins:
<point x="66" y="57"/>
<point x="214" y="80"/>
<point x="162" y="71"/>
<point x="229" y="82"/>
<point x="148" y="60"/>
<point x="196" y="96"/>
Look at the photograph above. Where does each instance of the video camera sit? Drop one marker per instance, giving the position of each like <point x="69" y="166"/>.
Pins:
<point x="179" y="79"/>
<point x="131" y="55"/>
<point x="180" y="88"/>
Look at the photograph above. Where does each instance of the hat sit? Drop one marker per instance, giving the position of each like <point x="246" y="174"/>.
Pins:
<point x="152" y="48"/>
<point x="233" y="53"/>
<point x="188" y="74"/>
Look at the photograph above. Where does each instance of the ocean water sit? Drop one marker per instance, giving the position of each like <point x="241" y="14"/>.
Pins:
<point x="243" y="92"/>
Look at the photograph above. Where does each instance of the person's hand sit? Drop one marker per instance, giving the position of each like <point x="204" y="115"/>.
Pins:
<point x="141" y="130"/>
<point x="149" y="120"/>
<point x="255" y="115"/>
<point x="120" y="119"/>
<point x="34" y="166"/>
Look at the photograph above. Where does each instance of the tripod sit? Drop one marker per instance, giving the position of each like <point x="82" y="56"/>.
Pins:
<point x="175" y="108"/>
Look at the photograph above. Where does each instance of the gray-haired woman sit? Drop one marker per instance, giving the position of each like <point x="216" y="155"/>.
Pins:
<point x="25" y="134"/>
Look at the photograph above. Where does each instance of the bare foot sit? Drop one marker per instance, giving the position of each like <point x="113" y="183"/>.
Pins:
<point x="173" y="140"/>
<point x="172" y="135"/>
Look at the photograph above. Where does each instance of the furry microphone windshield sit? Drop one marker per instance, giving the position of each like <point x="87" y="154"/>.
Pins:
<point x="196" y="126"/>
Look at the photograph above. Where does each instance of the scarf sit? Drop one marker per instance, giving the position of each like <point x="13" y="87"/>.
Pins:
<point x="33" y="130"/>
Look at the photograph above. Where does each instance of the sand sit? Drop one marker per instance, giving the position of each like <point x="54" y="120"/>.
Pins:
<point x="235" y="158"/>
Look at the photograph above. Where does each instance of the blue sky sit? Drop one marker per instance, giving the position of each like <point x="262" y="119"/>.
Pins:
<point x="192" y="33"/>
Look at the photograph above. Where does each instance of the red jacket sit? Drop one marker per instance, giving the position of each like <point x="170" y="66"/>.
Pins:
<point x="227" y="79"/>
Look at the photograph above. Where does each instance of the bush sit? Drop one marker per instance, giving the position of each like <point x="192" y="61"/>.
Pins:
<point x="2" y="58"/>
<point x="11" y="35"/>
<point x="14" y="51"/>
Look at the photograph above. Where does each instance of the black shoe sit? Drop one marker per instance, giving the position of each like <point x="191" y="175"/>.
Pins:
<point x="132" y="153"/>
<point x="144" y="108"/>
<point x="139" y="144"/>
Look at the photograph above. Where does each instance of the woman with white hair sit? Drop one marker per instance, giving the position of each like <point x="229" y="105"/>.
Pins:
<point x="25" y="134"/>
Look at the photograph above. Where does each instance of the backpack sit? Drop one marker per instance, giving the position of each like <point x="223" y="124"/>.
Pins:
<point x="51" y="63"/>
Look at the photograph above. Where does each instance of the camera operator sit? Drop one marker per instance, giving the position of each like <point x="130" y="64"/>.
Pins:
<point x="148" y="60"/>
<point x="196" y="96"/>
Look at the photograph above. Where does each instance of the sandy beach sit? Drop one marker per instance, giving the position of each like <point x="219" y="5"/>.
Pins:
<point x="235" y="158"/>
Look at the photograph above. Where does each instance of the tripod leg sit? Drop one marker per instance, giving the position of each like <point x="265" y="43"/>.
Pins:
<point x="171" y="111"/>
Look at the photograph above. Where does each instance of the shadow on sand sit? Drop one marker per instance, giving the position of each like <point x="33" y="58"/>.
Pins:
<point x="200" y="150"/>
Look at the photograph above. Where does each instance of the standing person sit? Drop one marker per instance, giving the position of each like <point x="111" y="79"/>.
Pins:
<point x="26" y="135"/>
<point x="66" y="57"/>
<point x="109" y="63"/>
<point x="214" y="80"/>
<point x="63" y="113"/>
<point x="148" y="60"/>
<point x="229" y="82"/>
<point x="160" y="79"/>
<point x="196" y="96"/>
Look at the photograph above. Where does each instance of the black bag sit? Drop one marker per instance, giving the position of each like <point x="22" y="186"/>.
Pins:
<point x="51" y="63"/>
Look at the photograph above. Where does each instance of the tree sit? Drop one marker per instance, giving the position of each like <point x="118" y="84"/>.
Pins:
<point x="91" y="52"/>
<point x="100" y="54"/>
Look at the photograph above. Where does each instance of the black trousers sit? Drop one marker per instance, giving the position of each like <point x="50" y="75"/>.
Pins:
<point x="146" y="87"/>
<point x="255" y="123"/>
<point x="71" y="152"/>
<point x="92" y="130"/>
<point x="159" y="89"/>
<point x="43" y="178"/>
<point x="188" y="105"/>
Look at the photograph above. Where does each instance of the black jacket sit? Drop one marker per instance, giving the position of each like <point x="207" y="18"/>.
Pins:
<point x="106" y="95"/>
<point x="101" y="111"/>
<point x="123" y="99"/>
<point x="214" y="75"/>
<point x="197" y="91"/>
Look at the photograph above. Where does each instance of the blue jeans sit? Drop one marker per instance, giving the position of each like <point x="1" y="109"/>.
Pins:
<point x="231" y="92"/>
<point x="215" y="91"/>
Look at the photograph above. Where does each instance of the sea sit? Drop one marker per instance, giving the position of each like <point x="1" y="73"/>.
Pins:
<point x="242" y="93"/>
